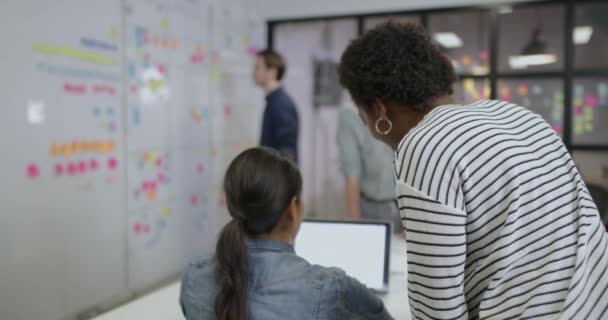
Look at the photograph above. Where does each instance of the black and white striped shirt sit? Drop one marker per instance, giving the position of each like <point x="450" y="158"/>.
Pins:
<point x="499" y="222"/>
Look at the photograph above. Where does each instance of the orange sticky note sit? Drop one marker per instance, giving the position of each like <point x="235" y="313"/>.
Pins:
<point x="165" y="42"/>
<point x="522" y="90"/>
<point x="67" y="149"/>
<point x="111" y="145"/>
<point x="55" y="149"/>
<point x="174" y="44"/>
<point x="151" y="195"/>
<point x="75" y="146"/>
<point x="84" y="146"/>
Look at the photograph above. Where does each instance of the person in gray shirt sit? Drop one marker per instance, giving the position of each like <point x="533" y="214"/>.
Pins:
<point x="367" y="166"/>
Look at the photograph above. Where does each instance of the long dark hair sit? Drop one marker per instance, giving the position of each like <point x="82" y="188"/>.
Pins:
<point x="259" y="184"/>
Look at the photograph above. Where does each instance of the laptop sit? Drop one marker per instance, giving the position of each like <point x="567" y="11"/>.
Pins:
<point x="360" y="248"/>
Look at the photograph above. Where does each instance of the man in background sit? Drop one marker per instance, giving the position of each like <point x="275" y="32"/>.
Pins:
<point x="367" y="166"/>
<point x="280" y="120"/>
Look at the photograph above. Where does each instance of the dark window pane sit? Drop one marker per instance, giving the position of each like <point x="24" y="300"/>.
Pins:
<point x="542" y="96"/>
<point x="371" y="22"/>
<point x="463" y="37"/>
<point x="532" y="39"/>
<point x="590" y="36"/>
<point x="590" y="111"/>
<point x="467" y="91"/>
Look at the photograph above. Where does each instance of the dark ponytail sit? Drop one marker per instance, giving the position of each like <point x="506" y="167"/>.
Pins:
<point x="259" y="184"/>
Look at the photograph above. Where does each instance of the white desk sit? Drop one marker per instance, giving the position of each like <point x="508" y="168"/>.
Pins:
<point x="163" y="304"/>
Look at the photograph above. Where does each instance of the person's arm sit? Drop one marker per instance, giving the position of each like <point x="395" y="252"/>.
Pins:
<point x="349" y="152"/>
<point x="436" y="255"/>
<point x="353" y="198"/>
<point x="286" y="130"/>
<point x="360" y="302"/>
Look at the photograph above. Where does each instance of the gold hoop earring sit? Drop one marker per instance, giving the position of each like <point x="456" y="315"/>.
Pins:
<point x="385" y="132"/>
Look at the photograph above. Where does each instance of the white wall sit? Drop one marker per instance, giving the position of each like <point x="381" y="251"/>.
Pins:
<point x="281" y="9"/>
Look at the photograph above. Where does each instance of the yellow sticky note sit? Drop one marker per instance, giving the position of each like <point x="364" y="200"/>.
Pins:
<point x="164" y="23"/>
<point x="114" y="32"/>
<point x="578" y="126"/>
<point x="578" y="101"/>
<point x="588" y="114"/>
<point x="588" y="127"/>
<point x="165" y="211"/>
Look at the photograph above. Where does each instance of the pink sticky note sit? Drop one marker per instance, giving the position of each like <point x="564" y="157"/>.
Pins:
<point x="483" y="55"/>
<point x="145" y="186"/>
<point x="578" y="110"/>
<point x="82" y="166"/>
<point x="147" y="228"/>
<point x="252" y="51"/>
<point x="133" y="88"/>
<point x="161" y="177"/>
<point x="161" y="68"/>
<point x="137" y="228"/>
<point x="72" y="168"/>
<point x="33" y="171"/>
<point x="200" y="168"/>
<point x="558" y="128"/>
<point x="506" y="99"/>
<point x="591" y="101"/>
<point x="112" y="163"/>
<point x="227" y="110"/>
<point x="93" y="164"/>
<point x="153" y="185"/>
<point x="194" y="200"/>
<point x="221" y="203"/>
<point x="59" y="169"/>
<point x="159" y="162"/>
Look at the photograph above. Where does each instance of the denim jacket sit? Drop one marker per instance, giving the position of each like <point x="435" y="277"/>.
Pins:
<point x="282" y="286"/>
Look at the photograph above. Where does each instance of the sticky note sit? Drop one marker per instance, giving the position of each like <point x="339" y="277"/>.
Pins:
<point x="578" y="125"/>
<point x="165" y="43"/>
<point x="146" y="228"/>
<point x="589" y="127"/>
<point x="82" y="167"/>
<point x="196" y="116"/>
<point x="591" y="101"/>
<point x="505" y="91"/>
<point x="83" y="146"/>
<point x="59" y="169"/>
<point x="75" y="146"/>
<point x="578" y="101"/>
<point x="227" y="110"/>
<point x="506" y="99"/>
<point x="97" y="111"/>
<point x="537" y="90"/>
<point x="112" y="126"/>
<point x="153" y="155"/>
<point x="111" y="145"/>
<point x="165" y="211"/>
<point x="164" y="23"/>
<point x="161" y="68"/>
<point x="151" y="195"/>
<point x="483" y="55"/>
<point x="112" y="163"/>
<point x="558" y="128"/>
<point x="66" y="148"/>
<point x="141" y="164"/>
<point x="522" y="90"/>
<point x="33" y="171"/>
<point x="194" y="199"/>
<point x="161" y="177"/>
<point x="55" y="149"/>
<point x="93" y="164"/>
<point x="135" y="116"/>
<point x="589" y="114"/>
<point x="466" y="60"/>
<point x="174" y="44"/>
<point x="159" y="162"/>
<point x="114" y="33"/>
<point x="578" y="110"/>
<point x="200" y="168"/>
<point x="72" y="168"/>
<point x="137" y="228"/>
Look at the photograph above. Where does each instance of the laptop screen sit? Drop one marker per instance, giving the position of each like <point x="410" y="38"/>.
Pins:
<point x="361" y="249"/>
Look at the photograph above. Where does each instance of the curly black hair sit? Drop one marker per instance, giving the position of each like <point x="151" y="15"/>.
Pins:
<point x="396" y="62"/>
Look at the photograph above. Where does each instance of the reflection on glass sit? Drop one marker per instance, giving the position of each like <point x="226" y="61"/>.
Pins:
<point x="532" y="39"/>
<point x="593" y="166"/>
<point x="590" y="35"/>
<point x="463" y="37"/>
<point x="542" y="96"/>
<point x="468" y="91"/>
<point x="590" y="111"/>
<point x="154" y="87"/>
<point x="371" y="22"/>
<point x="35" y="112"/>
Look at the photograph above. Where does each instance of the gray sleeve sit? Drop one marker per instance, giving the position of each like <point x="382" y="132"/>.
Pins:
<point x="349" y="145"/>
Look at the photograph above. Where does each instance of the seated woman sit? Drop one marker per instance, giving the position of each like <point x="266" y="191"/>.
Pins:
<point x="255" y="273"/>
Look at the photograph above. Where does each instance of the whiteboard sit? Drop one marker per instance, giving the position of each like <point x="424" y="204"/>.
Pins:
<point x="116" y="137"/>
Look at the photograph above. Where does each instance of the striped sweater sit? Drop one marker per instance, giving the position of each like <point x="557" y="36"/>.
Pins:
<point x="499" y="222"/>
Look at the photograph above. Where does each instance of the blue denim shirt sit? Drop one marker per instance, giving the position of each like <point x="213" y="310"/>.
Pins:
<point x="283" y="286"/>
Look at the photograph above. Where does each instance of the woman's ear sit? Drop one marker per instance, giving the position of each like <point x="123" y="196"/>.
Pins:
<point x="379" y="107"/>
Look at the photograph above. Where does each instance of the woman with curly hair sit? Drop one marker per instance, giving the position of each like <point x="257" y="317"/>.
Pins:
<point x="500" y="224"/>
